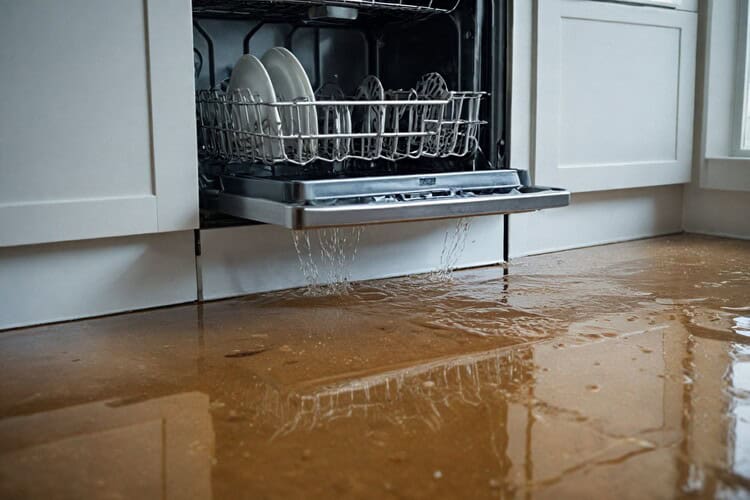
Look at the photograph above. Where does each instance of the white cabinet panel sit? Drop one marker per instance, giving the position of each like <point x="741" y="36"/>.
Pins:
<point x="597" y="85"/>
<point x="97" y="133"/>
<point x="69" y="83"/>
<point x="614" y="95"/>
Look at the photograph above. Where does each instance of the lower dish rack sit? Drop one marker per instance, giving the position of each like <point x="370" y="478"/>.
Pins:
<point x="428" y="122"/>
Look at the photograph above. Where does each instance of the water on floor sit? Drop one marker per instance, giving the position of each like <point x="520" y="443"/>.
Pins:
<point x="621" y="371"/>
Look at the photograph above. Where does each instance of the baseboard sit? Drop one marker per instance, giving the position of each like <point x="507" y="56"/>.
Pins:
<point x="636" y="237"/>
<point x="721" y="234"/>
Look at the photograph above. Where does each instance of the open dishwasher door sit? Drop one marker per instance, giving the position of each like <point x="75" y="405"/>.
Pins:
<point x="303" y="204"/>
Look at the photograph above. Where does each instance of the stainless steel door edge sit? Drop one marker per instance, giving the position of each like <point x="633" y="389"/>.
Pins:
<point x="300" y="191"/>
<point x="299" y="216"/>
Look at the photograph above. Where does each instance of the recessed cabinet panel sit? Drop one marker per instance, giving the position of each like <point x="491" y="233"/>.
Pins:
<point x="97" y="132"/>
<point x="614" y="101"/>
<point x="606" y="88"/>
<point x="74" y="102"/>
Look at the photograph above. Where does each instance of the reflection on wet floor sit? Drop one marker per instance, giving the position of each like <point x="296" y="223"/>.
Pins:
<point x="620" y="370"/>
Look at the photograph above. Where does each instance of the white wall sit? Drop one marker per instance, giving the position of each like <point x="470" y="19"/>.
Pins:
<point x="720" y="213"/>
<point x="61" y="281"/>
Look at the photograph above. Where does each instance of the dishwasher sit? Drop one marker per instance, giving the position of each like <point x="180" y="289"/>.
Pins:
<point x="409" y="119"/>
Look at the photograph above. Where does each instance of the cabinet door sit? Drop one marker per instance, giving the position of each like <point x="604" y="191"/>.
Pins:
<point x="614" y="95"/>
<point x="97" y="124"/>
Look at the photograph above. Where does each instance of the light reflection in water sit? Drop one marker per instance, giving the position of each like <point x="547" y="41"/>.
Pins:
<point x="558" y="414"/>
<point x="742" y="325"/>
<point x="159" y="448"/>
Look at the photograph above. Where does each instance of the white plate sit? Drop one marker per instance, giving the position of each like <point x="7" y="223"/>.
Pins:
<point x="342" y="146"/>
<point x="250" y="77"/>
<point x="395" y="120"/>
<point x="334" y="148"/>
<point x="432" y="86"/>
<point x="371" y="118"/>
<point x="292" y="84"/>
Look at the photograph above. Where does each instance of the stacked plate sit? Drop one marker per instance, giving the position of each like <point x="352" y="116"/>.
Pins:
<point x="278" y="77"/>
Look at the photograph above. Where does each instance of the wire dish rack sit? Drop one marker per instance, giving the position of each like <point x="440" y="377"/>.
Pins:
<point x="237" y="127"/>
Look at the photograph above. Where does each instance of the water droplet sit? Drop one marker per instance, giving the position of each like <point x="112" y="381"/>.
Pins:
<point x="695" y="480"/>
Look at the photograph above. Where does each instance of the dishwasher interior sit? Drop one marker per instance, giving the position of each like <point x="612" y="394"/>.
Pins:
<point x="407" y="121"/>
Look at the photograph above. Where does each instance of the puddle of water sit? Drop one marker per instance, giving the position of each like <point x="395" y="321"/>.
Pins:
<point x="586" y="374"/>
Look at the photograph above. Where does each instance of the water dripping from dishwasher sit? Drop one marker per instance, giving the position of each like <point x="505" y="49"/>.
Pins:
<point x="325" y="257"/>
<point x="454" y="243"/>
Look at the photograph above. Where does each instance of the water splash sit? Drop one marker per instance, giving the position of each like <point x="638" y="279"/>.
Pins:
<point x="454" y="243"/>
<point x="303" y="247"/>
<point x="325" y="257"/>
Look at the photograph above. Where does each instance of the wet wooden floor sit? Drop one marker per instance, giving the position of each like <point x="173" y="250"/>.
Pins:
<point x="617" y="371"/>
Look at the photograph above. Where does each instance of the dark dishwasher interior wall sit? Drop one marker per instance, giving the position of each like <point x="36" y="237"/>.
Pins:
<point x="345" y="53"/>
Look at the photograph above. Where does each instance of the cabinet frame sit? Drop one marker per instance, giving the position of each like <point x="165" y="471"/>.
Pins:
<point x="172" y="204"/>
<point x="546" y="98"/>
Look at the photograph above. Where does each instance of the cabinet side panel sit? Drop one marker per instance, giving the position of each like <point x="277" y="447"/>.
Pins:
<point x="171" y="77"/>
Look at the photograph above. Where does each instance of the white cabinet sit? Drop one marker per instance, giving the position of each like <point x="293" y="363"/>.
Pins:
<point x="614" y="92"/>
<point x="97" y="124"/>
